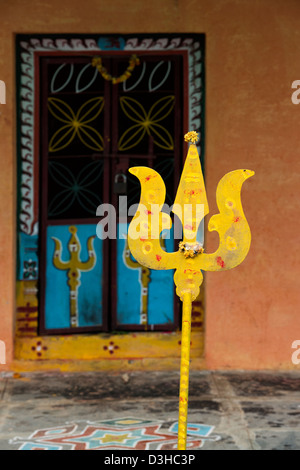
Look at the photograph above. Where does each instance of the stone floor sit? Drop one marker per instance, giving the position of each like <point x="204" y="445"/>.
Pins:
<point x="136" y="411"/>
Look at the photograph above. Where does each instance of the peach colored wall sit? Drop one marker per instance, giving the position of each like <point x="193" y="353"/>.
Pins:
<point x="252" y="57"/>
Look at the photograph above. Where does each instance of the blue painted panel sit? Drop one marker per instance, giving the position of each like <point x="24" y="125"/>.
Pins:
<point x="129" y="289"/>
<point x="90" y="295"/>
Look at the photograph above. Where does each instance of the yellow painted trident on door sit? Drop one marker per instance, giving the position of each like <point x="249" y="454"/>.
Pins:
<point x="74" y="267"/>
<point x="190" y="207"/>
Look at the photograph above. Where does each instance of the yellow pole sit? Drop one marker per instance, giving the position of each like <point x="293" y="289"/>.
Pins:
<point x="184" y="370"/>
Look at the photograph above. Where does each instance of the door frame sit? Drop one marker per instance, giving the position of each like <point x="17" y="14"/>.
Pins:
<point x="29" y="50"/>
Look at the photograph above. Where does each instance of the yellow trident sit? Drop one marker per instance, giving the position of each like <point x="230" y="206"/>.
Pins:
<point x="74" y="267"/>
<point x="191" y="207"/>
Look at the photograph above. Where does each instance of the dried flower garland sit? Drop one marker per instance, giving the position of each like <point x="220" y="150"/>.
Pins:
<point x="133" y="61"/>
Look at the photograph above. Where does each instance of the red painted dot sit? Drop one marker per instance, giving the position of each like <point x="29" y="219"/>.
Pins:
<point x="158" y="257"/>
<point x="220" y="262"/>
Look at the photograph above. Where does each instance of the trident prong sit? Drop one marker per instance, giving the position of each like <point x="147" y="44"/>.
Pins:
<point x="190" y="260"/>
<point x="74" y="267"/>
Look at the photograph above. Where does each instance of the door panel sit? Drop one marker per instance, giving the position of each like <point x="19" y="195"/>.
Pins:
<point x="74" y="277"/>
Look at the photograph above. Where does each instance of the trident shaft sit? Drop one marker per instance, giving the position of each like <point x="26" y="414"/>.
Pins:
<point x="190" y="260"/>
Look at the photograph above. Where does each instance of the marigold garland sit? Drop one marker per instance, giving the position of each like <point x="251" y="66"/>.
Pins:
<point x="133" y="61"/>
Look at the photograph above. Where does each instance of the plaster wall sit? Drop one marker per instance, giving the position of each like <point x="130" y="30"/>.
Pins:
<point x="252" y="58"/>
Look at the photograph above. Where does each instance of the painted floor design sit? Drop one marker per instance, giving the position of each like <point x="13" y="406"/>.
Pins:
<point x="124" y="433"/>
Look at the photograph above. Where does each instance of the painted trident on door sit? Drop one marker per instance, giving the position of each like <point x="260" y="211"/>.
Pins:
<point x="74" y="266"/>
<point x="191" y="207"/>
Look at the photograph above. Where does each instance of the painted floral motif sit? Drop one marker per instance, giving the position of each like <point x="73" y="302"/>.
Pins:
<point x="30" y="269"/>
<point x="76" y="124"/>
<point x="146" y="122"/>
<point x="111" y="347"/>
<point x="74" y="188"/>
<point x="39" y="348"/>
